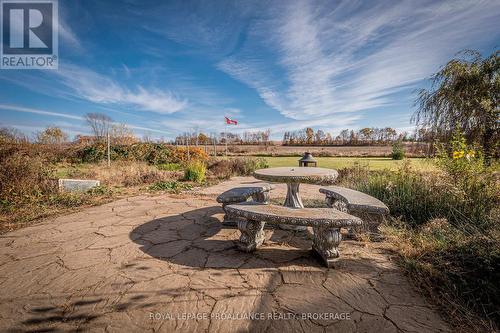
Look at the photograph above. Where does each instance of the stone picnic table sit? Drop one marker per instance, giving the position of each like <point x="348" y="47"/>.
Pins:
<point x="110" y="268"/>
<point x="293" y="177"/>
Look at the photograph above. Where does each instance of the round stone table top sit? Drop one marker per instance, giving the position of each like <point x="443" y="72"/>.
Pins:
<point x="297" y="175"/>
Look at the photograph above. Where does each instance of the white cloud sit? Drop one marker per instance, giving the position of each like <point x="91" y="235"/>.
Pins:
<point x="16" y="108"/>
<point x="68" y="37"/>
<point x="351" y="57"/>
<point x="99" y="88"/>
<point x="317" y="63"/>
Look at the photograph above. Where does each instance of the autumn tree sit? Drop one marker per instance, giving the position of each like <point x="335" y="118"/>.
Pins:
<point x="12" y="135"/>
<point x="390" y="134"/>
<point x="309" y="135"/>
<point x="121" y="134"/>
<point x="366" y="134"/>
<point x="344" y="136"/>
<point x="464" y="95"/>
<point x="52" y="136"/>
<point x="320" y="137"/>
<point x="203" y="139"/>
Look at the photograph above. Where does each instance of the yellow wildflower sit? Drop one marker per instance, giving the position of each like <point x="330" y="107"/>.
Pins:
<point x="458" y="154"/>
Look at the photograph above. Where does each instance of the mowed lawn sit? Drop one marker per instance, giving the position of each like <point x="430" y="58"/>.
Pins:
<point x="373" y="163"/>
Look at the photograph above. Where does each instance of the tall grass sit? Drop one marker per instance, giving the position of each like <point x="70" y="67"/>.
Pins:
<point x="418" y="197"/>
<point x="226" y="168"/>
<point x="195" y="171"/>
<point x="24" y="179"/>
<point x="28" y="182"/>
<point x="28" y="190"/>
<point x="447" y="228"/>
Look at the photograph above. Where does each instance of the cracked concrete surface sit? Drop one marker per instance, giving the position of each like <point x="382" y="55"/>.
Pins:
<point x="111" y="268"/>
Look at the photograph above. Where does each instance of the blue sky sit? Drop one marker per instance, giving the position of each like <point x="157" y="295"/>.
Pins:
<point x="166" y="67"/>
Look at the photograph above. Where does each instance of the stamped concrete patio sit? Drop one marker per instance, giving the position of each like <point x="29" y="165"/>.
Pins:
<point x="163" y="263"/>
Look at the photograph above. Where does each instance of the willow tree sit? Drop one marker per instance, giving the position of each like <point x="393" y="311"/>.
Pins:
<point x="464" y="94"/>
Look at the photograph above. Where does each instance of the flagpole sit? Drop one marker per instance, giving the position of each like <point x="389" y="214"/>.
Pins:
<point x="225" y="133"/>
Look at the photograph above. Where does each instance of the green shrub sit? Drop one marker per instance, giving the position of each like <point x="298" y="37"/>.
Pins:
<point x="159" y="154"/>
<point x="169" y="186"/>
<point x="409" y="195"/>
<point x="153" y="153"/>
<point x="140" y="151"/>
<point x="398" y="151"/>
<point x="195" y="171"/>
<point x="118" y="152"/>
<point x="92" y="154"/>
<point x="100" y="190"/>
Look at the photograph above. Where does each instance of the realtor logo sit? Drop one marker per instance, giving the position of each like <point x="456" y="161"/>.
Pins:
<point x="29" y="34"/>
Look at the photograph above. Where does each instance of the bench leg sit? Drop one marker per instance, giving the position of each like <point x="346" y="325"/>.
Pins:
<point x="373" y="224"/>
<point x="262" y="197"/>
<point x="326" y="243"/>
<point x="228" y="221"/>
<point x="252" y="235"/>
<point x="342" y="206"/>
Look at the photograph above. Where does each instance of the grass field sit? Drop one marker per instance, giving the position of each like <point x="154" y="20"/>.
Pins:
<point x="412" y="150"/>
<point x="374" y="163"/>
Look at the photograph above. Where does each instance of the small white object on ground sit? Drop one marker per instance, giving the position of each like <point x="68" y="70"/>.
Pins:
<point x="77" y="185"/>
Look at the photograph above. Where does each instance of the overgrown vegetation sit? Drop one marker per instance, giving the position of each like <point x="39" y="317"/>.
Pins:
<point x="447" y="228"/>
<point x="226" y="168"/>
<point x="152" y="153"/>
<point x="29" y="173"/>
<point x="28" y="190"/>
<point x="465" y="95"/>
<point x="195" y="171"/>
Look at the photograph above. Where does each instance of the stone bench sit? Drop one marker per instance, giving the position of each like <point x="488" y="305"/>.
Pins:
<point x="326" y="223"/>
<point x="258" y="192"/>
<point x="371" y="210"/>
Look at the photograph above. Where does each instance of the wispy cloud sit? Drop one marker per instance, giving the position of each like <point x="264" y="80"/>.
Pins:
<point x="282" y="65"/>
<point x="98" y="88"/>
<point x="352" y="56"/>
<point x="16" y="108"/>
<point x="77" y="82"/>
<point x="68" y="37"/>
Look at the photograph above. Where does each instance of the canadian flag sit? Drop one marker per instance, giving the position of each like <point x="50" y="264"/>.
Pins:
<point x="231" y="121"/>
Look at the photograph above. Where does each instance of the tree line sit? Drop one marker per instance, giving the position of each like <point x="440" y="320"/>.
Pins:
<point x="246" y="138"/>
<point x="364" y="136"/>
<point x="464" y="96"/>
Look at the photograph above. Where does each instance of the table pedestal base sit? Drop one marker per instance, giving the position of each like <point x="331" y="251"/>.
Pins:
<point x="293" y="200"/>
